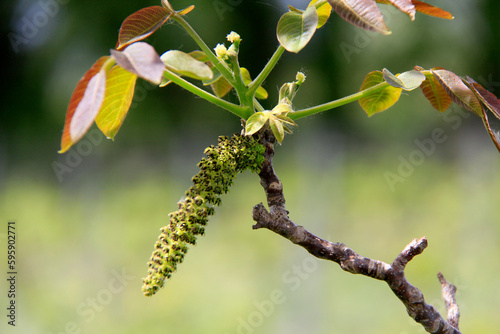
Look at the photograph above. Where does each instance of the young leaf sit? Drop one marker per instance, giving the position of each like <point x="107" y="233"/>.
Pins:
<point x="186" y="10"/>
<point x="216" y="76"/>
<point x="491" y="120"/>
<point x="88" y="107"/>
<point x="435" y="93"/>
<point x="406" y="6"/>
<point x="296" y="29"/>
<point x="427" y="9"/>
<point x="362" y="13"/>
<point x="256" y="122"/>
<point x="409" y="80"/>
<point x="141" y="59"/>
<point x="324" y="12"/>
<point x="492" y="124"/>
<point x="76" y="98"/>
<point x="184" y="64"/>
<point x="458" y="91"/>
<point x="261" y="93"/>
<point x="277" y="129"/>
<point x="141" y="24"/>
<point x="489" y="100"/>
<point x="167" y="5"/>
<point x="199" y="55"/>
<point x="221" y="87"/>
<point x="120" y="85"/>
<point x="380" y="100"/>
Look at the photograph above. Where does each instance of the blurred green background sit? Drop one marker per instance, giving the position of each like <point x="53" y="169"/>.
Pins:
<point x="85" y="235"/>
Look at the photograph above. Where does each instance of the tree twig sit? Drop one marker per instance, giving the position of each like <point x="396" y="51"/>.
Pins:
<point x="276" y="220"/>
<point x="449" y="291"/>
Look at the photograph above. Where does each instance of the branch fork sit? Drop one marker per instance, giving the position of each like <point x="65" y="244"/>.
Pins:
<point x="277" y="220"/>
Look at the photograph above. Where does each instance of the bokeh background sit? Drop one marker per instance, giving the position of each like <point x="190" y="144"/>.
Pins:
<point x="87" y="220"/>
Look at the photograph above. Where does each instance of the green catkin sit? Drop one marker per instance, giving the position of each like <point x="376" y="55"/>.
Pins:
<point x="217" y="172"/>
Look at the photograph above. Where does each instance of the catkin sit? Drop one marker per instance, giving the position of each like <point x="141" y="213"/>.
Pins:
<point x="217" y="172"/>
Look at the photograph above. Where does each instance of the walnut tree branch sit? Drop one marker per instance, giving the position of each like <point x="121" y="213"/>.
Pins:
<point x="276" y="220"/>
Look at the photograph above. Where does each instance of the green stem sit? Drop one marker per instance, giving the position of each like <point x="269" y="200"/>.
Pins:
<point x="337" y="103"/>
<point x="242" y="112"/>
<point x="213" y="58"/>
<point x="239" y="85"/>
<point x="254" y="85"/>
<point x="257" y="105"/>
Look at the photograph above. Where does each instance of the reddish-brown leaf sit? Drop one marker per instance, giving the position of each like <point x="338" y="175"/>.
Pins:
<point x="141" y="59"/>
<point x="425" y="8"/>
<point x="491" y="120"/>
<point x="89" y="106"/>
<point x="458" y="91"/>
<point x="77" y="96"/>
<point x="406" y="6"/>
<point x="362" y="13"/>
<point x="435" y="93"/>
<point x="492" y="124"/>
<point x="488" y="98"/>
<point x="141" y="24"/>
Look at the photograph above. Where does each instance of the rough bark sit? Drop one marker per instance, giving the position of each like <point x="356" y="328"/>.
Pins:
<point x="276" y="220"/>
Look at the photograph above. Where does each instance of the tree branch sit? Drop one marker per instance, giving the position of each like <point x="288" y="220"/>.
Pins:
<point x="276" y="220"/>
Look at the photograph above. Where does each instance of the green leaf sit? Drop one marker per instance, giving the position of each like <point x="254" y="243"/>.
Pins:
<point x="261" y="93"/>
<point x="324" y="12"/>
<point x="406" y="6"/>
<point x="75" y="100"/>
<point x="364" y="14"/>
<point x="184" y="64"/>
<point x="141" y="59"/>
<point x="199" y="55"/>
<point x="256" y="122"/>
<point x="458" y="91"/>
<point x="186" y="10"/>
<point x="216" y="76"/>
<point x="120" y="85"/>
<point x="141" y="24"/>
<point x="435" y="93"/>
<point x="409" y="80"/>
<point x="380" y="100"/>
<point x="277" y="129"/>
<point x="221" y="87"/>
<point x="295" y="29"/>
